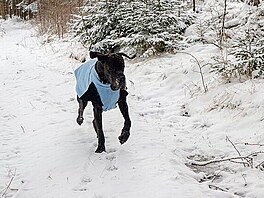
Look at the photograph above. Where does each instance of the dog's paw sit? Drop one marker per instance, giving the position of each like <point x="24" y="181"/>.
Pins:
<point x="100" y="149"/>
<point x="124" y="136"/>
<point x="79" y="120"/>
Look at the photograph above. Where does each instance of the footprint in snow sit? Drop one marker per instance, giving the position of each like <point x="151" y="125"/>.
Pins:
<point x="111" y="150"/>
<point x="86" y="179"/>
<point x="112" y="168"/>
<point x="82" y="186"/>
<point x="110" y="157"/>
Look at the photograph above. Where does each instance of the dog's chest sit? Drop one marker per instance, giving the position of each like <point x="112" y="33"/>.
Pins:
<point x="85" y="75"/>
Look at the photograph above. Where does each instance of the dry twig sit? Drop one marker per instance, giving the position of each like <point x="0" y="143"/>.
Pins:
<point x="200" y="69"/>
<point x="260" y="166"/>
<point x="244" y="177"/>
<point x="227" y="139"/>
<point x="23" y="129"/>
<point x="9" y="184"/>
<point x="216" y="176"/>
<point x="214" y="187"/>
<point x="248" y="160"/>
<point x="250" y="144"/>
<point x="231" y="159"/>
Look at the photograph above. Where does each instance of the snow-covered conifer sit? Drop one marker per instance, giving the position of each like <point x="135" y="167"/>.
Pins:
<point x="135" y="26"/>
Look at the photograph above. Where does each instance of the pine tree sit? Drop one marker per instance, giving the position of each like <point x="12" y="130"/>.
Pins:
<point x="135" y="26"/>
<point x="246" y="48"/>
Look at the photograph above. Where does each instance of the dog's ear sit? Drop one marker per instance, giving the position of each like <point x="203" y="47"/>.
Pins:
<point x="123" y="54"/>
<point x="94" y="54"/>
<point x="101" y="57"/>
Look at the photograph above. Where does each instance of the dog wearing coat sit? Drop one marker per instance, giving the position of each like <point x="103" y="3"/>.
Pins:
<point x="102" y="82"/>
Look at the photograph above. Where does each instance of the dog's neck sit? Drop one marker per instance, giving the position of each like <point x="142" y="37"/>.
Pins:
<point x="99" y="68"/>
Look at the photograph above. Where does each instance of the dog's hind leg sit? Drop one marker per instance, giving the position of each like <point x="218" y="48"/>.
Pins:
<point x="97" y="123"/>
<point x="124" y="111"/>
<point x="82" y="105"/>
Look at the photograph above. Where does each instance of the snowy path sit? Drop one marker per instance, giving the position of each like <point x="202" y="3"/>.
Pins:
<point x="32" y="110"/>
<point x="52" y="157"/>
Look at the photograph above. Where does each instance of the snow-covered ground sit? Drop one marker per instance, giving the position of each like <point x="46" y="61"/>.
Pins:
<point x="45" y="154"/>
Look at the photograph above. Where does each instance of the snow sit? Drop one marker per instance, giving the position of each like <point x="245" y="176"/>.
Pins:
<point x="173" y="123"/>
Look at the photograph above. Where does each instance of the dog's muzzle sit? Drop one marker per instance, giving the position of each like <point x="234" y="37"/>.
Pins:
<point x="120" y="82"/>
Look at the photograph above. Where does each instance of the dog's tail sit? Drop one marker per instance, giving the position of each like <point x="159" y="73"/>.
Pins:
<point x="123" y="54"/>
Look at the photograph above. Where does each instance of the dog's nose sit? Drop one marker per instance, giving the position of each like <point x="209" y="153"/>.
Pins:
<point x="122" y="79"/>
<point x="114" y="88"/>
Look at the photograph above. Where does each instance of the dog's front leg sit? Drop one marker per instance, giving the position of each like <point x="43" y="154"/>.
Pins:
<point x="82" y="105"/>
<point x="124" y="111"/>
<point x="98" y="127"/>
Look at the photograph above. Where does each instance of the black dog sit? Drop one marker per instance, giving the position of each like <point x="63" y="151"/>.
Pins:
<point x="109" y="69"/>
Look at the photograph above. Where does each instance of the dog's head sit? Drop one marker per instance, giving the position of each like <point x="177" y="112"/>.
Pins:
<point x="113" y="68"/>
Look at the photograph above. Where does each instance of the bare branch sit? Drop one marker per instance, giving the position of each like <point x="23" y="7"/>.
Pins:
<point x="23" y="129"/>
<point x="216" y="175"/>
<point x="9" y="184"/>
<point x="250" y="144"/>
<point x="227" y="139"/>
<point x="260" y="165"/>
<point x="214" y="187"/>
<point x="243" y="175"/>
<point x="223" y="24"/>
<point x="246" y="160"/>
<point x="217" y="161"/>
<point x="200" y="69"/>
<point x="255" y="153"/>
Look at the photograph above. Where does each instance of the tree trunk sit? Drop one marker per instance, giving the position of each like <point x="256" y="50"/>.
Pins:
<point x="5" y="10"/>
<point x="222" y="34"/>
<point x="253" y="2"/>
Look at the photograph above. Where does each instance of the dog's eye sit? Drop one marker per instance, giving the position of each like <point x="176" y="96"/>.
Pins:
<point x="111" y="69"/>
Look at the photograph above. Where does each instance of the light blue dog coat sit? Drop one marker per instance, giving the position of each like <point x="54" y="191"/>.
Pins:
<point x="86" y="74"/>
